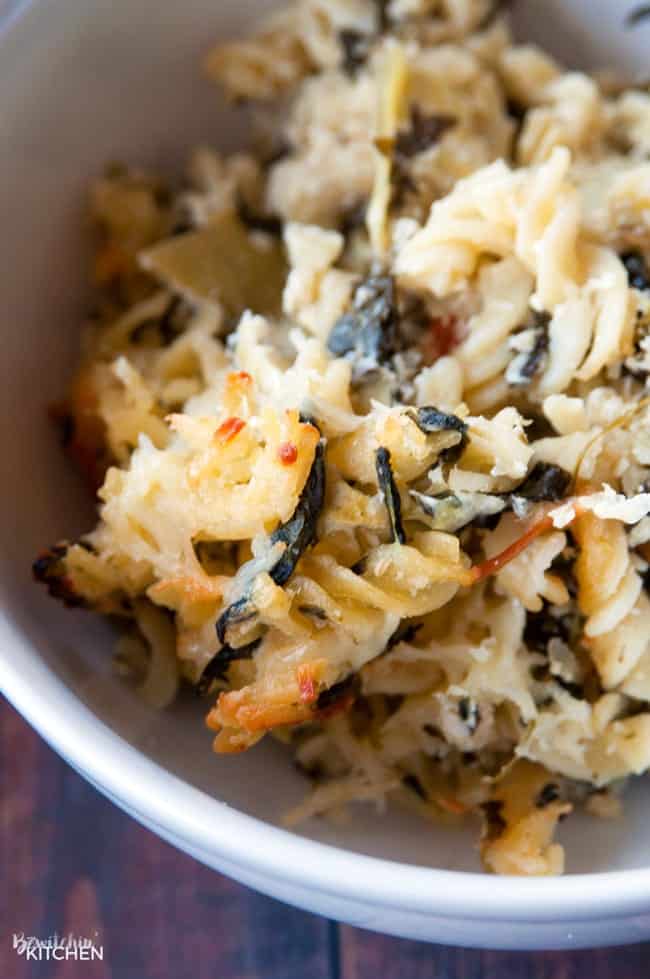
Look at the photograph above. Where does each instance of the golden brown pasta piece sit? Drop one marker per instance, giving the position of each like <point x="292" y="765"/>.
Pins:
<point x="520" y="819"/>
<point x="256" y="709"/>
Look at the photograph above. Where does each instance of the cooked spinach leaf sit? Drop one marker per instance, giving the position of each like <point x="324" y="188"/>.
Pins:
<point x="451" y="512"/>
<point x="523" y="368"/>
<point x="218" y="666"/>
<point x="390" y="493"/>
<point x="430" y="420"/>
<point x="242" y="610"/>
<point x="299" y="532"/>
<point x="539" y="427"/>
<point x="637" y="270"/>
<point x="369" y="329"/>
<point x="544" y="482"/>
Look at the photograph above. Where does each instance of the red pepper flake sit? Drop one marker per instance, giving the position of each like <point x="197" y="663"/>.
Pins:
<point x="287" y="453"/>
<point x="229" y="429"/>
<point x="240" y="376"/>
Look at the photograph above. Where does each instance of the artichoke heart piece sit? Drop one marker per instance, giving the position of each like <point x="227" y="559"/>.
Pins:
<point x="221" y="263"/>
<point x="392" y="86"/>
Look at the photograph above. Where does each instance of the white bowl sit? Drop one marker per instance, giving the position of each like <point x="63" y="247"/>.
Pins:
<point x="80" y="84"/>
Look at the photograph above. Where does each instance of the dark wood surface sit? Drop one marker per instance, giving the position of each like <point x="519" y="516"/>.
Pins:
<point x="70" y="862"/>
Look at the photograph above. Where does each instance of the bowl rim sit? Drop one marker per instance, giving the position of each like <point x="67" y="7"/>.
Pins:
<point x="211" y="829"/>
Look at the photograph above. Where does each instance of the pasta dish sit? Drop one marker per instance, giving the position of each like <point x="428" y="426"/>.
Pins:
<point x="365" y="409"/>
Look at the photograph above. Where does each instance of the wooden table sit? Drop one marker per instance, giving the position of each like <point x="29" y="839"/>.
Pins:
<point x="71" y="862"/>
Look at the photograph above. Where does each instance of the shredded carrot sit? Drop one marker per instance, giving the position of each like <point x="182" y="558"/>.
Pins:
<point x="494" y="564"/>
